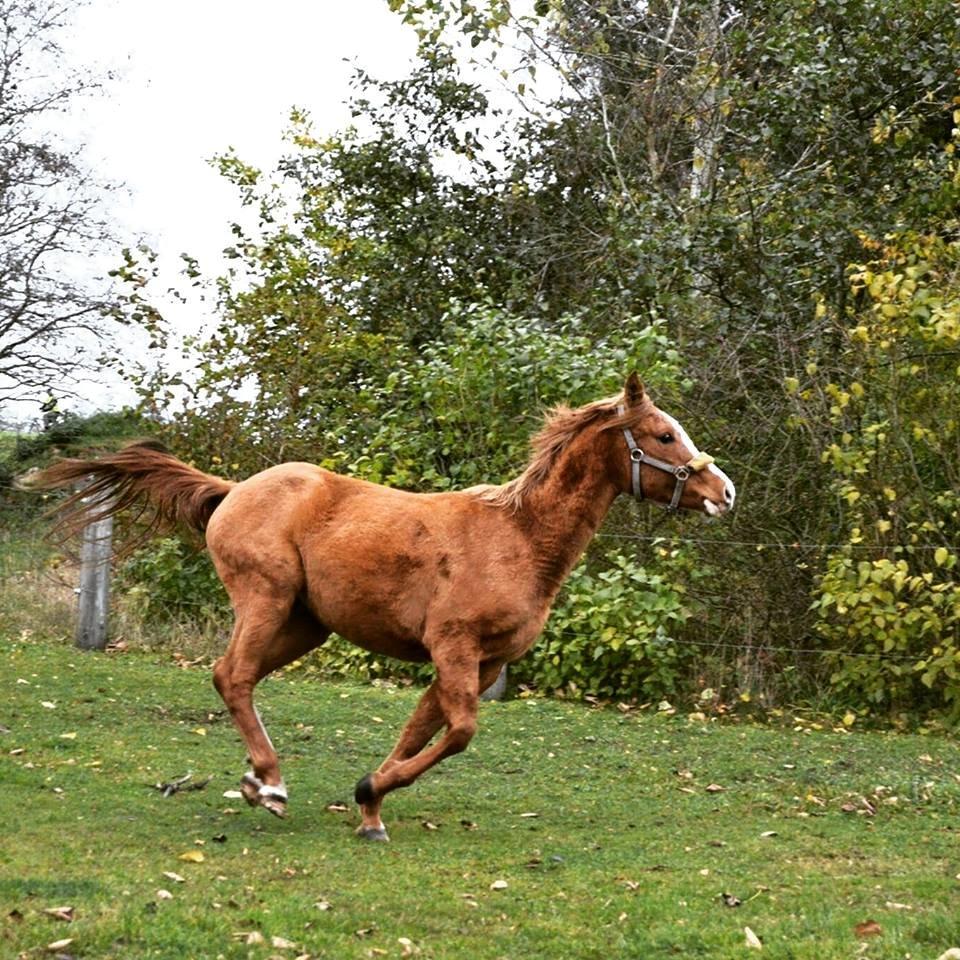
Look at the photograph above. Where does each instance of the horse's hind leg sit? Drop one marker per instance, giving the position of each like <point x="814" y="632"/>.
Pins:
<point x="428" y="717"/>
<point x="268" y="634"/>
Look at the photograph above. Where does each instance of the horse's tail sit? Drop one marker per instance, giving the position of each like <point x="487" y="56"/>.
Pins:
<point x="144" y="474"/>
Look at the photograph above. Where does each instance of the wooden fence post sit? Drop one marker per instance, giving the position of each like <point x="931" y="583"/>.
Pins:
<point x="96" y="549"/>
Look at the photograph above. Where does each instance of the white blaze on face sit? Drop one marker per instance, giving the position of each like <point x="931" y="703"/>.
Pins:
<point x="711" y="508"/>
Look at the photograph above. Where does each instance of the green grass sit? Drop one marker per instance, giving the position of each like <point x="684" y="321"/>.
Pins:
<point x="626" y="857"/>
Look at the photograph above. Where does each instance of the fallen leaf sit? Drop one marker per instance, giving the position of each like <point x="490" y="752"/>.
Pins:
<point x="200" y="731"/>
<point x="499" y="885"/>
<point x="752" y="939"/>
<point x="175" y="877"/>
<point x="192" y="856"/>
<point x="427" y="825"/>
<point x="164" y="895"/>
<point x="952" y="954"/>
<point x="281" y="943"/>
<point x="729" y="900"/>
<point x="768" y="833"/>
<point x="232" y="794"/>
<point x="530" y="815"/>
<point x="69" y="736"/>
<point x="869" y="928"/>
<point x="893" y="905"/>
<point x="323" y="905"/>
<point x="409" y="949"/>
<point x="59" y="944"/>
<point x="60" y="913"/>
<point x="250" y="937"/>
<point x="714" y="788"/>
<point x="338" y="808"/>
<point x="50" y="705"/>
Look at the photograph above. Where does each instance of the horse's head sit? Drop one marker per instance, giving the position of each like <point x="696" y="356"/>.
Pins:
<point x="661" y="463"/>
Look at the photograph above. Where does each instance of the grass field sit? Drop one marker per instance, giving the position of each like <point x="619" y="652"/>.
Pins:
<point x="606" y="828"/>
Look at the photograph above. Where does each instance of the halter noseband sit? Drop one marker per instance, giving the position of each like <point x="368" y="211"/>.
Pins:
<point x="681" y="472"/>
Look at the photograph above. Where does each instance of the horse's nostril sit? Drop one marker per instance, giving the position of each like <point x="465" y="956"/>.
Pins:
<point x="728" y="494"/>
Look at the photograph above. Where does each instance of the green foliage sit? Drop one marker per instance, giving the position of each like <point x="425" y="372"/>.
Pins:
<point x="890" y="419"/>
<point x="613" y="631"/>
<point x="170" y="578"/>
<point x="417" y="287"/>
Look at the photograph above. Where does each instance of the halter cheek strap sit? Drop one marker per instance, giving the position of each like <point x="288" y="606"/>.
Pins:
<point x="680" y="472"/>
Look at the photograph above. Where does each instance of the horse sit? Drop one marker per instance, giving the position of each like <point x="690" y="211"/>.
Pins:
<point x="464" y="579"/>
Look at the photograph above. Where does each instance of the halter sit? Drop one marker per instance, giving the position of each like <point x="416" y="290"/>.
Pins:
<point x="681" y="473"/>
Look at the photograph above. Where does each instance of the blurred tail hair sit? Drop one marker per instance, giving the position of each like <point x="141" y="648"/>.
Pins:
<point x="142" y="474"/>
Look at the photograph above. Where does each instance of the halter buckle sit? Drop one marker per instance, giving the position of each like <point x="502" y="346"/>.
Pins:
<point x="636" y="455"/>
<point x="682" y="473"/>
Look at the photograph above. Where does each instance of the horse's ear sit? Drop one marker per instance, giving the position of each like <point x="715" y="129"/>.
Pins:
<point x="633" y="390"/>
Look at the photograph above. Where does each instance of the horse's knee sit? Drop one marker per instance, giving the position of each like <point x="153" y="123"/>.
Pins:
<point x="221" y="676"/>
<point x="461" y="733"/>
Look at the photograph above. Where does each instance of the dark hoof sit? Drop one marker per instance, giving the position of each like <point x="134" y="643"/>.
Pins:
<point x="377" y="834"/>
<point x="363" y="792"/>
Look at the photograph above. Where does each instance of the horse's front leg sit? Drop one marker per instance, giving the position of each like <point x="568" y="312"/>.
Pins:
<point x="451" y="699"/>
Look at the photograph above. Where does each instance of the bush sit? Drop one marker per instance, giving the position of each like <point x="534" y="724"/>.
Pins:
<point x="613" y="631"/>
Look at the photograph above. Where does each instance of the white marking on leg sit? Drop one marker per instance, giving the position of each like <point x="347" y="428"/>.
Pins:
<point x="263" y="729"/>
<point x="276" y="791"/>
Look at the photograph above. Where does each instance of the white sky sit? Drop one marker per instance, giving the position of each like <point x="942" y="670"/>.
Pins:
<point x="191" y="80"/>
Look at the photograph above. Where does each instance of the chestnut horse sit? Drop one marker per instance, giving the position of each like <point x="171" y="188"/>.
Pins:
<point x="465" y="579"/>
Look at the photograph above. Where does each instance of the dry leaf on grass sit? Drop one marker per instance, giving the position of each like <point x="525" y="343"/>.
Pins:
<point x="752" y="939"/>
<point x="59" y="944"/>
<point x="175" y="877"/>
<point x="499" y="885"/>
<point x="192" y="856"/>
<point x="714" y="788"/>
<point x="60" y="913"/>
<point x="869" y="928"/>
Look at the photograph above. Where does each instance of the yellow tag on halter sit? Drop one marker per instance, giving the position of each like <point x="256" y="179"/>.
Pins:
<point x="700" y="461"/>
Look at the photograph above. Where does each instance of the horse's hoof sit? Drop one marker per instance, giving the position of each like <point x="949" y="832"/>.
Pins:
<point x="275" y="805"/>
<point x="363" y="793"/>
<point x="378" y="834"/>
<point x="259" y="794"/>
<point x="250" y="788"/>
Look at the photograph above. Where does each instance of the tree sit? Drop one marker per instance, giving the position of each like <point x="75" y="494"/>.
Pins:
<point x="50" y="318"/>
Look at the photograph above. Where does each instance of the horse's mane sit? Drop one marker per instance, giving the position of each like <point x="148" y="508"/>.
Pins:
<point x="562" y="425"/>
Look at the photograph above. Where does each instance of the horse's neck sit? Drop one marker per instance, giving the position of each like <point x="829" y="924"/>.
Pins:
<point x="564" y="512"/>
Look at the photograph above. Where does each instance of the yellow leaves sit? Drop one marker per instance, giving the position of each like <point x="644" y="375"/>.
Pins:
<point x="192" y="856"/>
<point x="940" y="556"/>
<point x="883" y="526"/>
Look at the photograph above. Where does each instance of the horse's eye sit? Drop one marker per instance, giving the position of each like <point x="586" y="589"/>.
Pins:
<point x="666" y="438"/>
